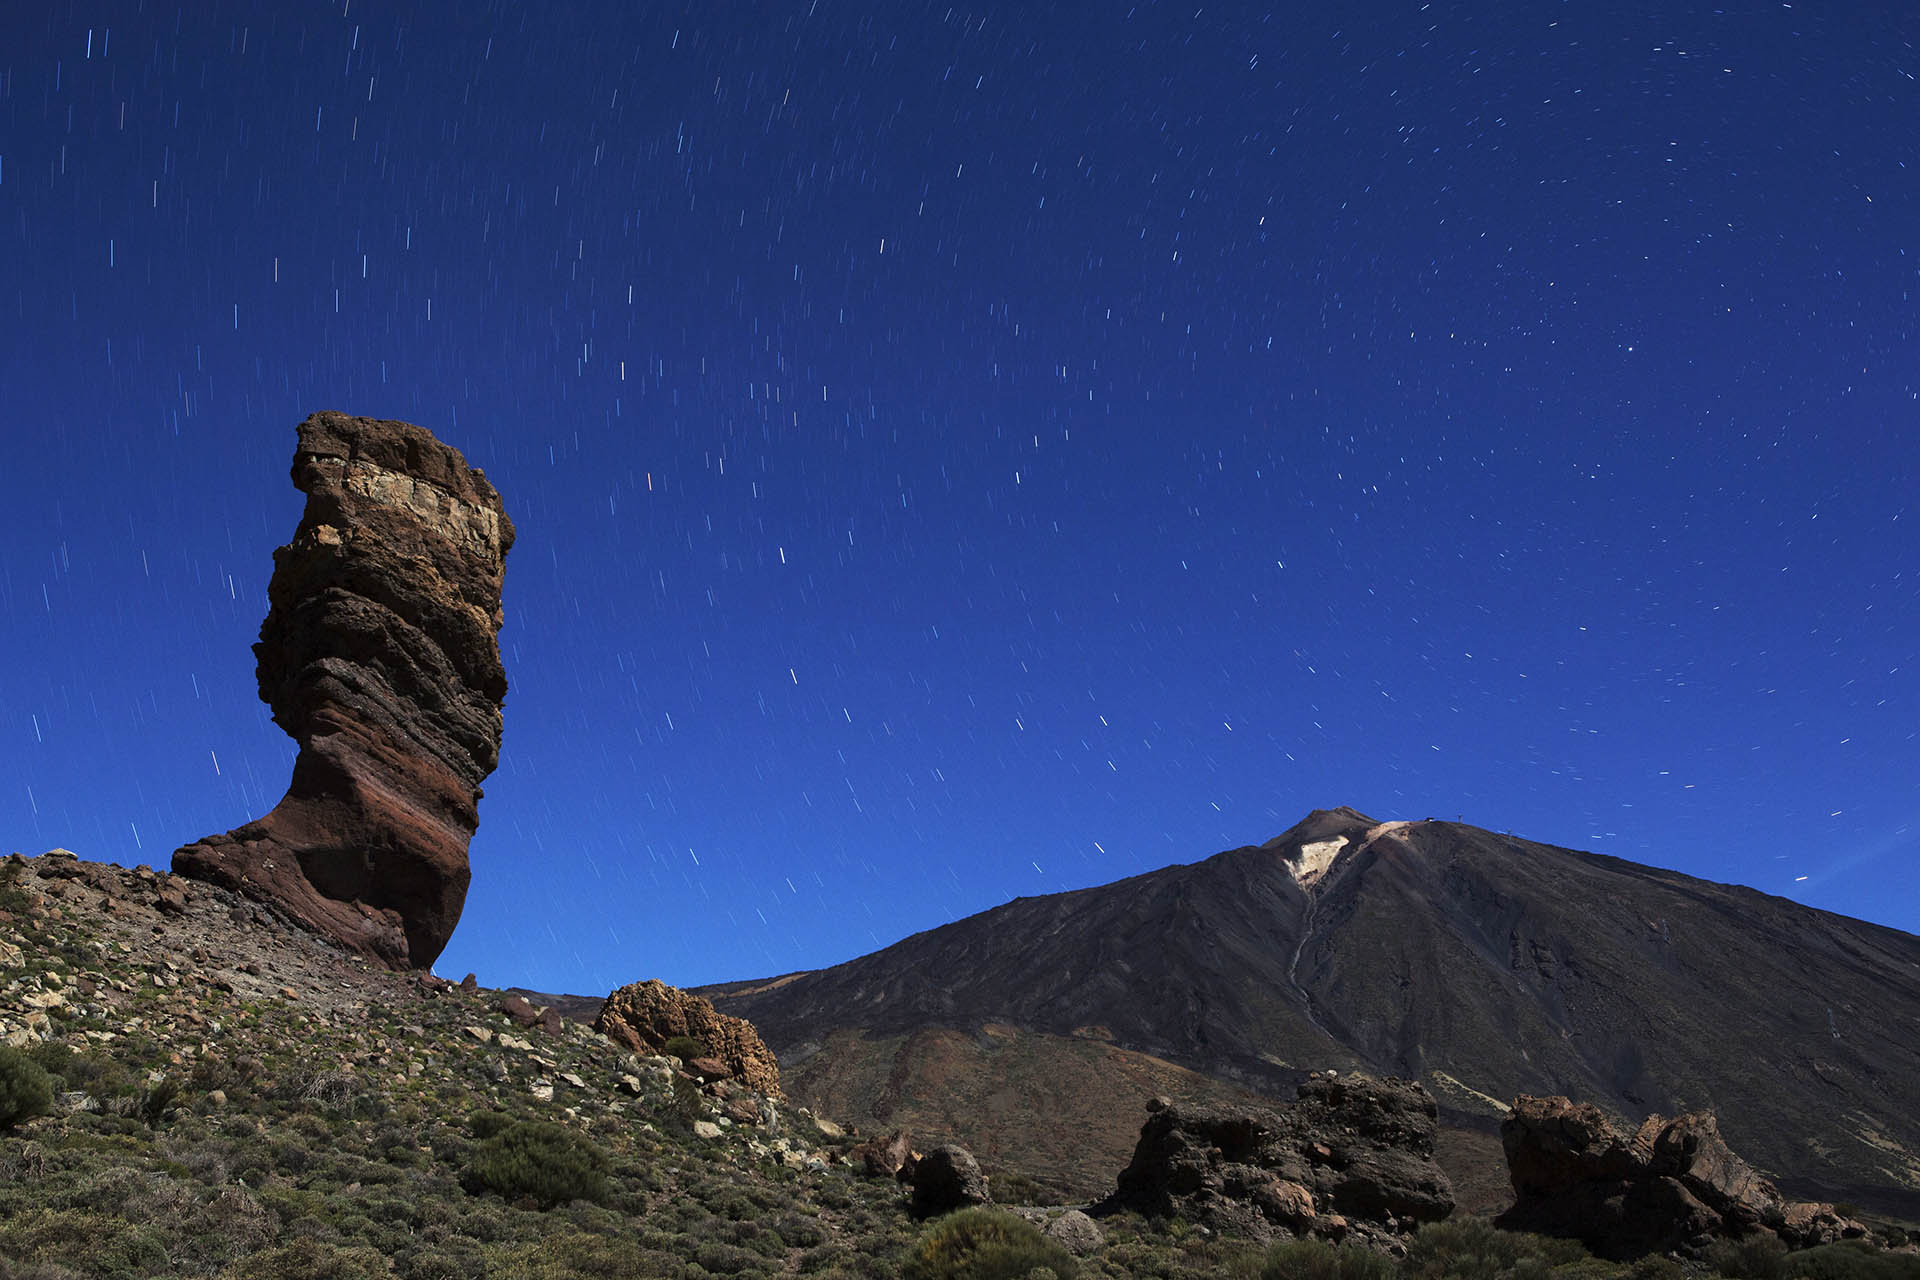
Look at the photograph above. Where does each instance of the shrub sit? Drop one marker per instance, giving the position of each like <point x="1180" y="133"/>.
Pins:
<point x="1657" y="1266"/>
<point x="584" y="1257"/>
<point x="984" y="1244"/>
<point x="485" y="1124"/>
<point x="1318" y="1260"/>
<point x="311" y="1260"/>
<point x="1852" y="1260"/>
<point x="684" y="1048"/>
<point x="1760" y="1256"/>
<point x="26" y="1090"/>
<point x="157" y="1099"/>
<point x="1473" y="1248"/>
<point x="545" y="1162"/>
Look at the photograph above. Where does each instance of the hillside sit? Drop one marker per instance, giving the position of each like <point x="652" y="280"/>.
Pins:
<point x="1483" y="965"/>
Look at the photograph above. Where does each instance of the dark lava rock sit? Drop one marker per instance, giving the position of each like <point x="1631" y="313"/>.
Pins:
<point x="1670" y="1185"/>
<point x="378" y="656"/>
<point x="945" y="1179"/>
<point x="1353" y="1155"/>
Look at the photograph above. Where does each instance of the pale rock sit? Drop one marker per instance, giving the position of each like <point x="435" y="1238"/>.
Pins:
<point x="481" y="1034"/>
<point x="1076" y="1232"/>
<point x="706" y="1129"/>
<point x="543" y="1090"/>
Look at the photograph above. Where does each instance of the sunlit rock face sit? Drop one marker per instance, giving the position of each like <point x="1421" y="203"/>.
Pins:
<point x="379" y="657"/>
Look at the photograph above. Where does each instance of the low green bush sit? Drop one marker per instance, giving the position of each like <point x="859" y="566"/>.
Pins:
<point x="985" y="1244"/>
<point x="26" y="1090"/>
<point x="311" y="1260"/>
<point x="1318" y="1260"/>
<point x="684" y="1048"/>
<point x="1852" y="1260"/>
<point x="1474" y="1249"/>
<point x="484" y="1124"/>
<point x="539" y="1160"/>
<point x="1760" y="1256"/>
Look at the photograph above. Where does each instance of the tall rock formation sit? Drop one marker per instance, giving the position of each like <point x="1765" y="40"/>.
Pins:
<point x="378" y="656"/>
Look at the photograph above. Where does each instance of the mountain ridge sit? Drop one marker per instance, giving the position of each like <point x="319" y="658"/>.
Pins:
<point x="1483" y="964"/>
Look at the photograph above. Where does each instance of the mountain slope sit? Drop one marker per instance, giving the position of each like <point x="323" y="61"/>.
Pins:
<point x="1483" y="965"/>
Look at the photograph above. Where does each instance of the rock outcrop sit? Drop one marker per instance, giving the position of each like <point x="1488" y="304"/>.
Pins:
<point x="1670" y="1185"/>
<point x="883" y="1157"/>
<point x="643" y="1016"/>
<point x="943" y="1180"/>
<point x="1352" y="1157"/>
<point x="379" y="657"/>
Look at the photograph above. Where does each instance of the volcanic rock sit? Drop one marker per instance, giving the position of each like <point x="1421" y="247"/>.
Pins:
<point x="643" y="1016"/>
<point x="378" y="656"/>
<point x="519" y="1008"/>
<point x="945" y="1179"/>
<point x="1672" y="1184"/>
<point x="1351" y="1147"/>
<point x="882" y="1157"/>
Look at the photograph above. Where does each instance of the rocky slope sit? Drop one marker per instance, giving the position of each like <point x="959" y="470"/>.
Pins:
<point x="1482" y="965"/>
<point x="378" y="656"/>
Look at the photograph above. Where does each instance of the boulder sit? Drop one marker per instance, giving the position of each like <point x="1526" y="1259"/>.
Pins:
<point x="519" y="1009"/>
<point x="379" y="657"/>
<point x="643" y="1016"/>
<point x="882" y="1157"/>
<point x="945" y="1179"/>
<point x="1351" y="1156"/>
<point x="1075" y="1232"/>
<point x="1667" y="1185"/>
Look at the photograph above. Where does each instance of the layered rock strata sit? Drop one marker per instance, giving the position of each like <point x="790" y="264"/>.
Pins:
<point x="379" y="657"/>
<point x="1669" y="1185"/>
<point x="1352" y="1157"/>
<point x="644" y="1016"/>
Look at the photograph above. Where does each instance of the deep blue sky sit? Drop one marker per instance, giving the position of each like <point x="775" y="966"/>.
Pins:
<point x="960" y="454"/>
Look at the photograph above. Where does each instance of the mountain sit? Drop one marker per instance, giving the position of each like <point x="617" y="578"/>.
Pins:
<point x="1483" y="965"/>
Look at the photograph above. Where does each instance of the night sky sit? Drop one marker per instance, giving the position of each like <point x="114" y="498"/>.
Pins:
<point x="965" y="452"/>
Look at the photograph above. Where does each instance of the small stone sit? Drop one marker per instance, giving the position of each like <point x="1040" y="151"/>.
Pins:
<point x="481" y="1034"/>
<point x="289" y="993"/>
<point x="218" y="1097"/>
<point x="629" y="1084"/>
<point x="706" y="1129"/>
<point x="573" y="1079"/>
<point x="543" y="1090"/>
<point x="514" y="1042"/>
